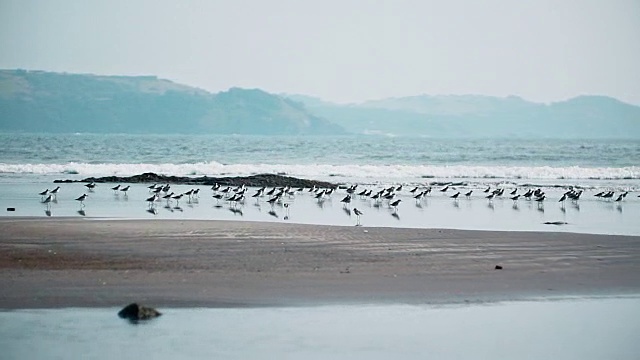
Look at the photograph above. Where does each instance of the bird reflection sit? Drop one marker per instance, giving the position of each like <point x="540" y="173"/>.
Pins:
<point x="395" y="215"/>
<point x="152" y="211"/>
<point x="347" y="211"/>
<point x="47" y="212"/>
<point x="273" y="213"/>
<point x="236" y="211"/>
<point x="82" y="212"/>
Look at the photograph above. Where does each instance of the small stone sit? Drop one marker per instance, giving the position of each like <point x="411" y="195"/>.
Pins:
<point x="136" y="312"/>
<point x="498" y="267"/>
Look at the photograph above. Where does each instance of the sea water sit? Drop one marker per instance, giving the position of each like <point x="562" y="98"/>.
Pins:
<point x="581" y="329"/>
<point x="30" y="162"/>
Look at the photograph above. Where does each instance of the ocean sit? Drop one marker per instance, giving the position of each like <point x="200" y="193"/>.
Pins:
<point x="30" y="162"/>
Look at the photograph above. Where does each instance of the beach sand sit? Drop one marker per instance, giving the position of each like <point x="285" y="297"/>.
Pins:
<point x="47" y="263"/>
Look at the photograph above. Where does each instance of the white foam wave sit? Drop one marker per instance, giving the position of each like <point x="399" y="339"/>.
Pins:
<point x="322" y="171"/>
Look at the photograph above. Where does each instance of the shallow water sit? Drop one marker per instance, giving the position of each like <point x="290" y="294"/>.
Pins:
<point x="589" y="215"/>
<point x="596" y="328"/>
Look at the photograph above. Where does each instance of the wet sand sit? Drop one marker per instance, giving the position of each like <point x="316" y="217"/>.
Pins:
<point x="48" y="263"/>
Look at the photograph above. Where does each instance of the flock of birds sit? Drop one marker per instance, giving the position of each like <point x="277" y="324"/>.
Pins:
<point x="236" y="196"/>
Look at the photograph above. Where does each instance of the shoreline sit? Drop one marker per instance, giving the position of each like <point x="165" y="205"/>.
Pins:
<point x="62" y="263"/>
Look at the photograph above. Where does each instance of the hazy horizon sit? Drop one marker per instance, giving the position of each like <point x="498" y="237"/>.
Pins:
<point x="342" y="52"/>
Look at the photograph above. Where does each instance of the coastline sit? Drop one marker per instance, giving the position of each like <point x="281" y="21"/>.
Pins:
<point x="57" y="263"/>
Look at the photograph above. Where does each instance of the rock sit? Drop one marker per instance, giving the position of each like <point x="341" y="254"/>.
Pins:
<point x="556" y="223"/>
<point x="138" y="312"/>
<point x="11" y="209"/>
<point x="498" y="267"/>
<point x="267" y="180"/>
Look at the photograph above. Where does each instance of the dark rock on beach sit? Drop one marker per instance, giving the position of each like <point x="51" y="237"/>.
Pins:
<point x="267" y="180"/>
<point x="138" y="312"/>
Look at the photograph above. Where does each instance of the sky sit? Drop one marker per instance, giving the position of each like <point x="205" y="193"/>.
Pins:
<point x="343" y="51"/>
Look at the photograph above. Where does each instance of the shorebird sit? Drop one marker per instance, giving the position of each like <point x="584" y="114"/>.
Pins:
<point x="540" y="200"/>
<point x="444" y="189"/>
<point x="514" y="192"/>
<point x="358" y="213"/>
<point x="515" y="198"/>
<point x="44" y="193"/>
<point x="177" y="198"/>
<point x="152" y="200"/>
<point x="55" y="192"/>
<point x="47" y="201"/>
<point x="395" y="204"/>
<point x="563" y="198"/>
<point x="115" y="189"/>
<point x="620" y="198"/>
<point x="455" y="196"/>
<point x="468" y="194"/>
<point x="125" y="189"/>
<point x="90" y="186"/>
<point x="81" y="199"/>
<point x="346" y="200"/>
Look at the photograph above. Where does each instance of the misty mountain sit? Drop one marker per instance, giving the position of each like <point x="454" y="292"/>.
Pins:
<point x="37" y="101"/>
<point x="451" y="116"/>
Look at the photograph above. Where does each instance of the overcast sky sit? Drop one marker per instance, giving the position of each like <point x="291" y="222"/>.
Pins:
<point x="339" y="50"/>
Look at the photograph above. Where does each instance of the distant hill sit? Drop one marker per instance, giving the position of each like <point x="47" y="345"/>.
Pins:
<point x="37" y="101"/>
<point x="450" y="116"/>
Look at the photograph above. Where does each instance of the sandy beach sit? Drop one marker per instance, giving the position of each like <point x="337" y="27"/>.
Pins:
<point x="47" y="263"/>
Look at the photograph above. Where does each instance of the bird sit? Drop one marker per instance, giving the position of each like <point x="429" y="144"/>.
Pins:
<point x="563" y="198"/>
<point x="358" y="213"/>
<point x="514" y="192"/>
<point x="44" y="193"/>
<point x="395" y="204"/>
<point x="468" y="194"/>
<point x="455" y="196"/>
<point x="346" y="200"/>
<point x="81" y="199"/>
<point x="620" y="198"/>
<point x="125" y="189"/>
<point x="47" y="201"/>
<point x="55" y="192"/>
<point x="152" y="200"/>
<point x="444" y="189"/>
<point x="540" y="200"/>
<point x="116" y="188"/>
<point x="90" y="186"/>
<point x="177" y="198"/>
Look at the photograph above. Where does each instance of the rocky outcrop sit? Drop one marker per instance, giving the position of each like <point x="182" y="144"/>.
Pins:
<point x="267" y="180"/>
<point x="135" y="312"/>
